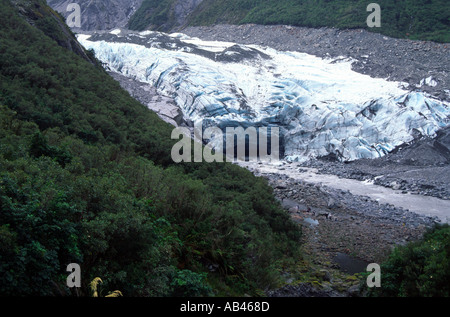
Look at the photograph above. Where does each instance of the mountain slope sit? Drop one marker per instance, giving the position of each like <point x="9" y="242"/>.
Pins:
<point x="415" y="19"/>
<point x="86" y="177"/>
<point x="163" y="15"/>
<point x="53" y="25"/>
<point x="100" y="14"/>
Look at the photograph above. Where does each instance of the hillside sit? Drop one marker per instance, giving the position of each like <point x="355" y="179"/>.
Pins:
<point x="86" y="177"/>
<point x="99" y="14"/>
<point x="414" y="19"/>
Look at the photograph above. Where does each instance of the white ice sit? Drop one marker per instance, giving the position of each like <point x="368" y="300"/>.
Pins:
<point x="321" y="105"/>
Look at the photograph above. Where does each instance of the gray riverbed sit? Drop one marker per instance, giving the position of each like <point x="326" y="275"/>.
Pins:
<point x="422" y="205"/>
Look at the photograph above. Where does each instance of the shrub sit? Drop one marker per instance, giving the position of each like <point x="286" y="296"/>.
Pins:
<point x="419" y="269"/>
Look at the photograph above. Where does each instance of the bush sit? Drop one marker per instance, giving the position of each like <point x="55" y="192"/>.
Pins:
<point x="186" y="283"/>
<point x="419" y="269"/>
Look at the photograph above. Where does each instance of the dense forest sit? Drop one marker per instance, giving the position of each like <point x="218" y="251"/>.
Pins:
<point x="86" y="177"/>
<point x="414" y="19"/>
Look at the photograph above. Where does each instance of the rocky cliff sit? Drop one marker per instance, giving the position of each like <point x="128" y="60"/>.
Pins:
<point x="100" y="14"/>
<point x="182" y="9"/>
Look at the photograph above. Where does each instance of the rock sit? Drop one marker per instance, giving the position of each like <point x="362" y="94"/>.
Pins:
<point x="97" y="15"/>
<point x="332" y="203"/>
<point x="110" y="14"/>
<point x="213" y="267"/>
<point x="311" y="222"/>
<point x="354" y="291"/>
<point x="333" y="218"/>
<point x="281" y="186"/>
<point x="302" y="290"/>
<point x="321" y="213"/>
<point x="325" y="275"/>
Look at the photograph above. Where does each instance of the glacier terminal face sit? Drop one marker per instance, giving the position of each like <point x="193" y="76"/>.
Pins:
<point x="321" y="106"/>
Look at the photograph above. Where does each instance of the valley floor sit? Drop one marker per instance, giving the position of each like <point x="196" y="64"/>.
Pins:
<point x="343" y="232"/>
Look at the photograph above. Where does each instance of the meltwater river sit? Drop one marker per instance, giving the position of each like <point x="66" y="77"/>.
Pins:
<point x="422" y="205"/>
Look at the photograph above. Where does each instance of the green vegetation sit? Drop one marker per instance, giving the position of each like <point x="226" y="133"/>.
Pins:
<point x="414" y="19"/>
<point x="154" y="13"/>
<point x="86" y="177"/>
<point x="419" y="269"/>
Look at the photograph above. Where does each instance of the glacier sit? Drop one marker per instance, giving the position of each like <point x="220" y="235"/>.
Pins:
<point x="321" y="106"/>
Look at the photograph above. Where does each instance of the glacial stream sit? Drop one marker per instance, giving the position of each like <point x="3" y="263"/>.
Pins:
<point x="423" y="205"/>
